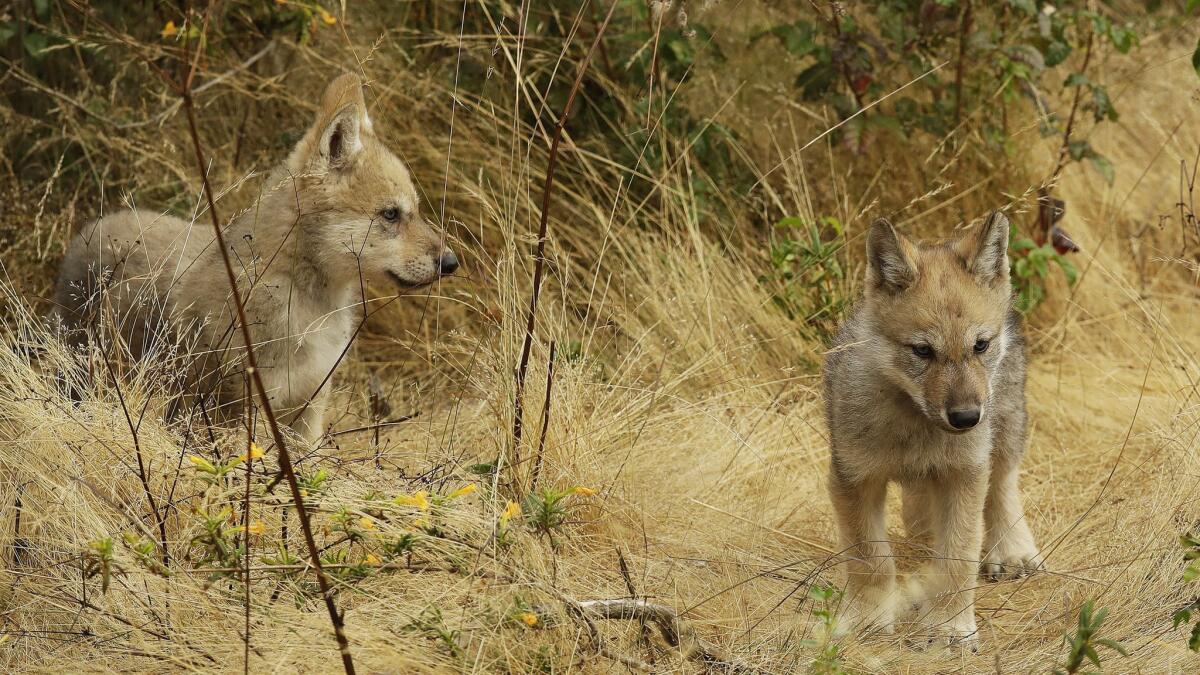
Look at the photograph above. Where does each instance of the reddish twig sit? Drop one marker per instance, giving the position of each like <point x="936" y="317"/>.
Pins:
<point x="539" y="264"/>
<point x="285" y="460"/>
<point x="537" y="462"/>
<point x="1065" y="151"/>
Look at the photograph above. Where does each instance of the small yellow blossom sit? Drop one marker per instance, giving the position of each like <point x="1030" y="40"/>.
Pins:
<point x="528" y="618"/>
<point x="328" y="18"/>
<point x="419" y="500"/>
<point x="256" y="452"/>
<point x="256" y="527"/>
<point x="421" y="523"/>
<point x="169" y="30"/>
<point x="366" y="523"/>
<point x="372" y="559"/>
<point x="585" y="491"/>
<point x="464" y="490"/>
<point x="511" y="511"/>
<point x="201" y="463"/>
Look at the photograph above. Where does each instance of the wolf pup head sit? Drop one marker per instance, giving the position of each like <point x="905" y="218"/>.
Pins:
<point x="357" y="200"/>
<point x="940" y="311"/>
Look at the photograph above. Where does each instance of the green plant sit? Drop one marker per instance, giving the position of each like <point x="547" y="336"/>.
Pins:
<point x="1083" y="642"/>
<point x="98" y="561"/>
<point x="828" y="659"/>
<point x="968" y="62"/>
<point x="546" y="510"/>
<point x="431" y="625"/>
<point x="1191" y="554"/>
<point x="1030" y="269"/>
<point x="807" y="280"/>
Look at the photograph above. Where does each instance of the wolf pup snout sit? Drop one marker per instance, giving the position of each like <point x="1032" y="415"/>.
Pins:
<point x="963" y="418"/>
<point x="449" y="262"/>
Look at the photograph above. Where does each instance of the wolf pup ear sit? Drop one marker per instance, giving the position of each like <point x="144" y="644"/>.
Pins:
<point x="986" y="250"/>
<point x="890" y="264"/>
<point x="336" y="135"/>
<point x="342" y="139"/>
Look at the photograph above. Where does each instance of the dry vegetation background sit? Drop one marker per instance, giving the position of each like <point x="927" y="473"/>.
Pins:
<point x="682" y="394"/>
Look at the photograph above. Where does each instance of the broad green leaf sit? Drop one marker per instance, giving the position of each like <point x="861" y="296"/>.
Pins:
<point x="1180" y="617"/>
<point x="1194" y="640"/>
<point x="1068" y="269"/>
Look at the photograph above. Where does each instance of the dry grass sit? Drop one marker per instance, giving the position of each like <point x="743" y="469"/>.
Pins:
<point x="693" y="407"/>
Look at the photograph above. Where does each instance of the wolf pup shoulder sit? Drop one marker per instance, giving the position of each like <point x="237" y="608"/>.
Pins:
<point x="340" y="210"/>
<point x="925" y="387"/>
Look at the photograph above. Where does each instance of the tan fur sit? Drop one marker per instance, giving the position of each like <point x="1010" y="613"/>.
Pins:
<point x="947" y="424"/>
<point x="302" y="253"/>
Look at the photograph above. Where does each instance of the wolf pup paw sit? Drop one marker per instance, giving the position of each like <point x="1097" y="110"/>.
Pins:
<point x="866" y="616"/>
<point x="956" y="632"/>
<point x="1002" y="565"/>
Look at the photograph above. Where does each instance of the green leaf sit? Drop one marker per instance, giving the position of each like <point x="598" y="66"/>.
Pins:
<point x="797" y="37"/>
<point x="816" y="80"/>
<point x="1105" y="167"/>
<point x="1090" y="652"/>
<point x="1122" y="37"/>
<point x="1180" y="617"/>
<point x="1079" y="149"/>
<point x="1068" y="269"/>
<point x="1076" y="80"/>
<point x="1192" y="572"/>
<point x="35" y="44"/>
<point x="1196" y="58"/>
<point x="1113" y="645"/>
<point x="1194" y="640"/>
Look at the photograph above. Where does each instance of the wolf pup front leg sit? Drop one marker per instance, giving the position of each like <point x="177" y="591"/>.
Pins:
<point x="862" y="538"/>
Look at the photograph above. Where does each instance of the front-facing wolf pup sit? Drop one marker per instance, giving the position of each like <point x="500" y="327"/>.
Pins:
<point x="340" y="210"/>
<point x="925" y="386"/>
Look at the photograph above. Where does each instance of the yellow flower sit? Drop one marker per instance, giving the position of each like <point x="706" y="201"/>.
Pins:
<point x="256" y="527"/>
<point x="419" y="500"/>
<point x="528" y="618"/>
<point x="328" y="18"/>
<point x="464" y="490"/>
<point x="372" y="559"/>
<point x="511" y="511"/>
<point x="256" y="452"/>
<point x="169" y="30"/>
<point x="421" y="523"/>
<point x="201" y="463"/>
<point x="366" y="523"/>
<point x="585" y="491"/>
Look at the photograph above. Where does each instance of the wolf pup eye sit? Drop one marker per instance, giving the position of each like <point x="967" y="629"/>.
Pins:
<point x="981" y="345"/>
<point x="390" y="214"/>
<point x="923" y="351"/>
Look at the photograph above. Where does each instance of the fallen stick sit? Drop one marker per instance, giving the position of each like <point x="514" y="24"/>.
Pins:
<point x="676" y="631"/>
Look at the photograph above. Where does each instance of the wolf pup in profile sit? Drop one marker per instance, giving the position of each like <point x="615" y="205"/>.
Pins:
<point x="925" y="386"/>
<point x="340" y="211"/>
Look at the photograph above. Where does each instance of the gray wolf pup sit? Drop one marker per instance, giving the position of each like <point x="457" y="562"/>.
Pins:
<point x="341" y="210"/>
<point x="925" y="387"/>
